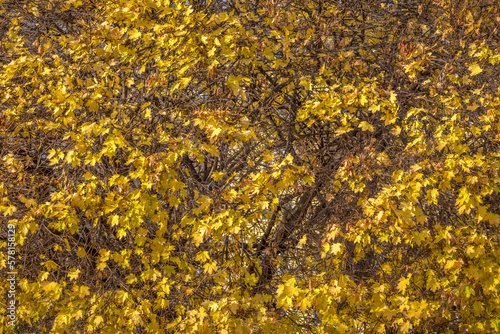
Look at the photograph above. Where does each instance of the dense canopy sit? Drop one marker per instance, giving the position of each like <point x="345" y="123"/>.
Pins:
<point x="251" y="166"/>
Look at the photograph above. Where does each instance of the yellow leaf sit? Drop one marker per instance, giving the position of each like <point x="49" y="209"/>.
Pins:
<point x="174" y="201"/>
<point x="121" y="233"/>
<point x="202" y="256"/>
<point x="304" y="304"/>
<point x="363" y="100"/>
<point x="49" y="286"/>
<point x="396" y="130"/>
<point x="51" y="265"/>
<point x="475" y="69"/>
<point x="365" y="126"/>
<point x="114" y="220"/>
<point x="136" y="317"/>
<point x="478" y="308"/>
<point x="336" y="248"/>
<point x="403" y="282"/>
<point x="184" y="82"/>
<point x="122" y="296"/>
<point x="73" y="273"/>
<point x="309" y="179"/>
<point x="98" y="320"/>
<point x="234" y="83"/>
<point x="217" y="176"/>
<point x="210" y="267"/>
<point x="134" y="34"/>
<point x="131" y="279"/>
<point x="302" y="241"/>
<point x="205" y="231"/>
<point x="433" y="196"/>
<point x="397" y="175"/>
<point x="81" y="252"/>
<point x="9" y="210"/>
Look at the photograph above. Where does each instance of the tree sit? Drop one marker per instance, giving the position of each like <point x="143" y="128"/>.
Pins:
<point x="252" y="166"/>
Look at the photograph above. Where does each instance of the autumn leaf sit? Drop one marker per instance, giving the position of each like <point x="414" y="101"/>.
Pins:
<point x="475" y="69"/>
<point x="365" y="126"/>
<point x="206" y="166"/>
